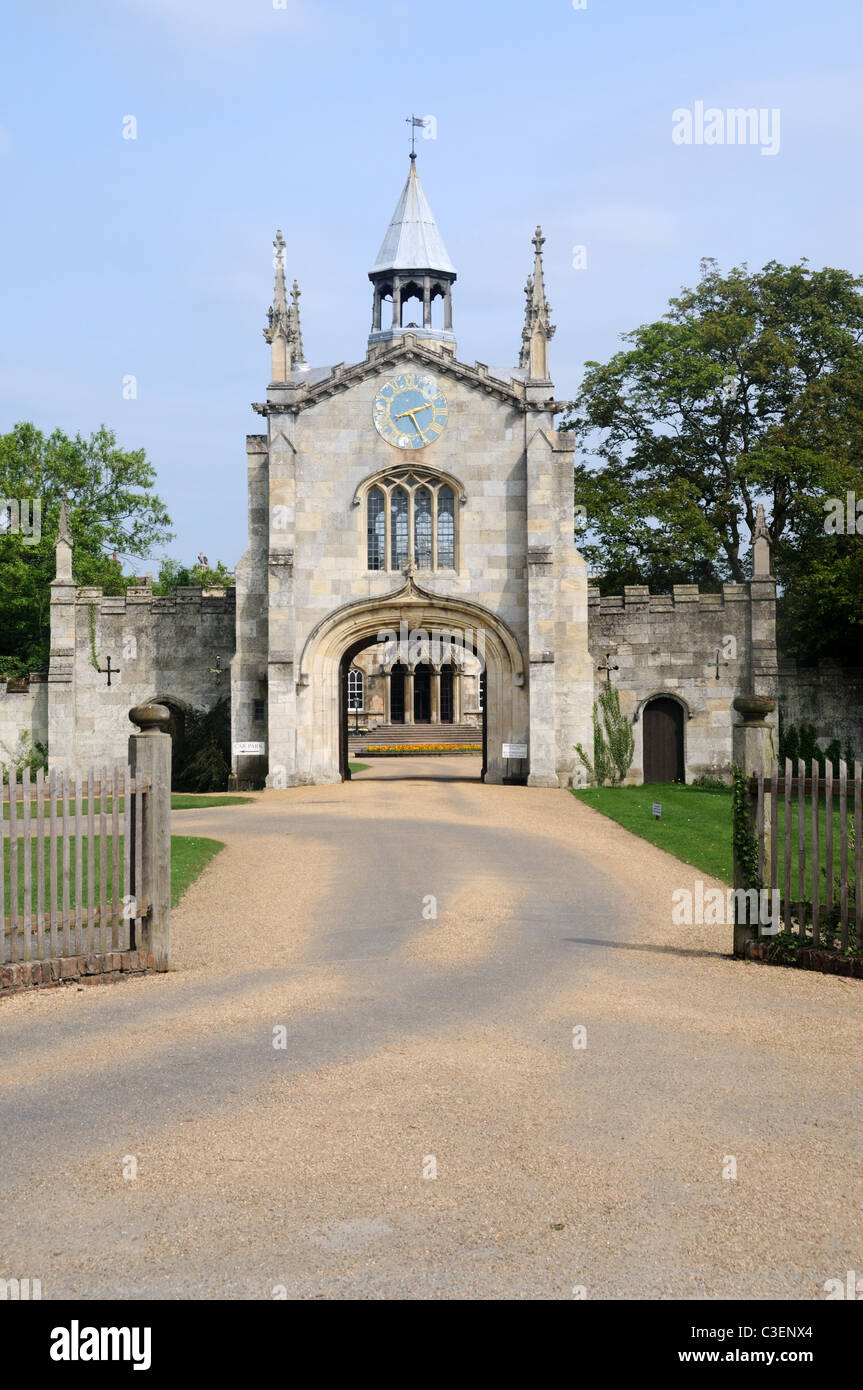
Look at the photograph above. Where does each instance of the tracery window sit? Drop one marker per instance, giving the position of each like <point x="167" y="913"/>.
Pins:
<point x="411" y="516"/>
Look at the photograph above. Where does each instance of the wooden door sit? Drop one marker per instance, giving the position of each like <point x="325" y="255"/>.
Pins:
<point x="663" y="741"/>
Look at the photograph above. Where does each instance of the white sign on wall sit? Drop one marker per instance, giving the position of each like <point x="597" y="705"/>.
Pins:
<point x="515" y="750"/>
<point x="249" y="749"/>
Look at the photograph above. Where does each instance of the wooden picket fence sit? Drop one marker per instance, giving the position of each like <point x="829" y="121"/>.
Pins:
<point x="71" y="863"/>
<point x="821" y="898"/>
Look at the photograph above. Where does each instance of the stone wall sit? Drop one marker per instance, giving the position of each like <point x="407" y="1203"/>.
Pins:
<point x="829" y="696"/>
<point x="162" y="648"/>
<point x="667" y="645"/>
<point x="23" y="711"/>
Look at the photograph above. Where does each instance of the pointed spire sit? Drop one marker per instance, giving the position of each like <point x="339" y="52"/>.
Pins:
<point x="413" y="263"/>
<point x="277" y="331"/>
<point x="412" y="241"/>
<point x="295" y="331"/>
<point x="63" y="546"/>
<point x="538" y="329"/>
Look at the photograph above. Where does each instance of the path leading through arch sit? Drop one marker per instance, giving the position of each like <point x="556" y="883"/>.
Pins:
<point x="429" y="1129"/>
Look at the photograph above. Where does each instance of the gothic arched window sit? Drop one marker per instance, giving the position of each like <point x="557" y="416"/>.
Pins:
<point x="411" y="516"/>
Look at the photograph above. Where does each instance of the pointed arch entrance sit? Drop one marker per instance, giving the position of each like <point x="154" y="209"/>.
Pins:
<point x="322" y="726"/>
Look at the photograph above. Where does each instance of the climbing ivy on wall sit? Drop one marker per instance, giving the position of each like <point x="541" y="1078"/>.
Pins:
<point x="94" y="655"/>
<point x="745" y="839"/>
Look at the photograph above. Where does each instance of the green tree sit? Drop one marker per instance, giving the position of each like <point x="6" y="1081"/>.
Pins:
<point x="112" y="510"/>
<point x="749" y="390"/>
<point x="206" y="757"/>
<point x="174" y="575"/>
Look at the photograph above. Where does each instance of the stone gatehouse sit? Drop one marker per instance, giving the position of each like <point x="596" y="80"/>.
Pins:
<point x="411" y="559"/>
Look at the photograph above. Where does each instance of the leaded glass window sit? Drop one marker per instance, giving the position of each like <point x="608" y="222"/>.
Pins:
<point x="377" y="525"/>
<point x="446" y="529"/>
<point x="411" y="516"/>
<point x="399" y="528"/>
<point x="423" y="528"/>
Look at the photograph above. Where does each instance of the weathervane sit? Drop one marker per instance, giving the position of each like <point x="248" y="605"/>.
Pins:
<point x="414" y="122"/>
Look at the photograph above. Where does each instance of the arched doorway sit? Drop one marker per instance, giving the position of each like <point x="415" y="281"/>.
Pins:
<point x="177" y="730"/>
<point x="662" y="724"/>
<point x="321" y="680"/>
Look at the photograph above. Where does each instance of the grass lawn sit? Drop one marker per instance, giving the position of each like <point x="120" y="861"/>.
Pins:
<point x="186" y="801"/>
<point x="180" y="801"/>
<point x="359" y="767"/>
<point x="696" y="826"/>
<point x="189" y="856"/>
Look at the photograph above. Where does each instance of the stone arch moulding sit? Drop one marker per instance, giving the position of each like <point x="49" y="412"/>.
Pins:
<point x="402" y="466"/>
<point x="662" y="695"/>
<point x="169" y="700"/>
<point x="318" y="696"/>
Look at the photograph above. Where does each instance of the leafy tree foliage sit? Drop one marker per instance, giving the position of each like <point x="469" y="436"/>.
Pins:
<point x="174" y="575"/>
<point x="749" y="390"/>
<point x="112" y="510"/>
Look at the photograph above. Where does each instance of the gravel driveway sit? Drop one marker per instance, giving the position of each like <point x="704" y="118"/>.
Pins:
<point x="429" y="1127"/>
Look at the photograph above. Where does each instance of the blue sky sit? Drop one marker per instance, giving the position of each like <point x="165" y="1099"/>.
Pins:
<point x="153" y="256"/>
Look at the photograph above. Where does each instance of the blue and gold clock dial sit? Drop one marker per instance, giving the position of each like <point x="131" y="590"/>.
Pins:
<point x="410" y="411"/>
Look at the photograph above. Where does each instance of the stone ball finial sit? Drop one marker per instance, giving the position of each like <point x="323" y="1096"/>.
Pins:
<point x="151" y="719"/>
<point x="753" y="708"/>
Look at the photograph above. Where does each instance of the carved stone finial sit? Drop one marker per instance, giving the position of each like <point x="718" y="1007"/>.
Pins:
<point x="63" y="547"/>
<point x="538" y="329"/>
<point x="151" y="719"/>
<point x="63" y="532"/>
<point x="294" y="330"/>
<point x="761" y="545"/>
<point x="278" y="329"/>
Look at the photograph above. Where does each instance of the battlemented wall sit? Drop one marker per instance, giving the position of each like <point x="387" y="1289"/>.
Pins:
<point x="160" y="648"/>
<point x="691" y="646"/>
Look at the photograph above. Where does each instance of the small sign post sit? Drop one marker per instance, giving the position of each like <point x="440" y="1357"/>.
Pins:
<point x="511" y="751"/>
<point x="657" y="810"/>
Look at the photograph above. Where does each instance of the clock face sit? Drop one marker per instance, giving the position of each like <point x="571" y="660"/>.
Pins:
<point x="410" y="411"/>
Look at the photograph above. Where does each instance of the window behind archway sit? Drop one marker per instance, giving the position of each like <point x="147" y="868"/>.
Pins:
<point x="356" y="690"/>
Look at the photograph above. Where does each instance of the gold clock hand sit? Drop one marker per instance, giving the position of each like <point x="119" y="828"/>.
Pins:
<point x="412" y="413"/>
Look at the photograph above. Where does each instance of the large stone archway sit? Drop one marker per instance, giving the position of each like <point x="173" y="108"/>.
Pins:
<point x="318" y="702"/>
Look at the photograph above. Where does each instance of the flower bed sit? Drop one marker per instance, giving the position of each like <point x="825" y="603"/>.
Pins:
<point x="388" y="752"/>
